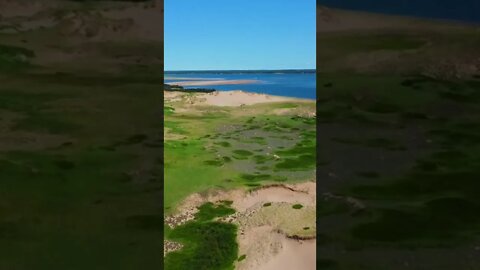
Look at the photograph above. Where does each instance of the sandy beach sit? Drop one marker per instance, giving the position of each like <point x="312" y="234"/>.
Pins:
<point x="234" y="98"/>
<point x="238" y="98"/>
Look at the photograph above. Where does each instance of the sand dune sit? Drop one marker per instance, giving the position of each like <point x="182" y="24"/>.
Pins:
<point x="265" y="248"/>
<point x="262" y="243"/>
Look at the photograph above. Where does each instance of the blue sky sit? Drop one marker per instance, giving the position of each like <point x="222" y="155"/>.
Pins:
<point x="243" y="35"/>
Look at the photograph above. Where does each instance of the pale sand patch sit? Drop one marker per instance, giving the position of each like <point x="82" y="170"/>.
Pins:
<point x="294" y="255"/>
<point x="213" y="82"/>
<point x="239" y="98"/>
<point x="172" y="94"/>
<point x="233" y="98"/>
<point x="304" y="193"/>
<point x="284" y="111"/>
<point x="168" y="135"/>
<point x="282" y="218"/>
<point x="260" y="238"/>
<point x="259" y="245"/>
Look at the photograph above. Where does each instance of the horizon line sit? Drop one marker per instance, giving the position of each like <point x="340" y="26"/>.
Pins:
<point x="284" y="69"/>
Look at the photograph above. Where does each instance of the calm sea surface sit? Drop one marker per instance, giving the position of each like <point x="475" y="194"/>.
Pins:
<point x="290" y="84"/>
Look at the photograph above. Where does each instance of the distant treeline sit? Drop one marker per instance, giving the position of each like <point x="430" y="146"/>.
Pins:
<point x="168" y="87"/>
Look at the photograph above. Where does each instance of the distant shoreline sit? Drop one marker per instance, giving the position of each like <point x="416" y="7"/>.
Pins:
<point x="213" y="82"/>
<point x="178" y="88"/>
<point x="240" y="71"/>
<point x="297" y="83"/>
<point x="191" y="79"/>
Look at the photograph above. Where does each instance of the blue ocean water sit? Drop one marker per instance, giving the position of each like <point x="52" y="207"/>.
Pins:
<point x="290" y="84"/>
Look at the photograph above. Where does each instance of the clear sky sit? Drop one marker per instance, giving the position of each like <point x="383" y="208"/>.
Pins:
<point x="240" y="34"/>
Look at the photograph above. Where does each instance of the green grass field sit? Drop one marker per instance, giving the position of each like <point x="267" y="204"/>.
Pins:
<point x="211" y="148"/>
<point x="208" y="244"/>
<point x="218" y="154"/>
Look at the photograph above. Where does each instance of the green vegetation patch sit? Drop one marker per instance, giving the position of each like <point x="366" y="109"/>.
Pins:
<point x="167" y="110"/>
<point x="214" y="162"/>
<point x="299" y="149"/>
<point x="301" y="162"/>
<point x="224" y="144"/>
<point x="255" y="177"/>
<point x="175" y="127"/>
<point x="297" y="206"/>
<point x="261" y="159"/>
<point x="207" y="244"/>
<point x="302" y="156"/>
<point x="208" y="211"/>
<point x="242" y="153"/>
